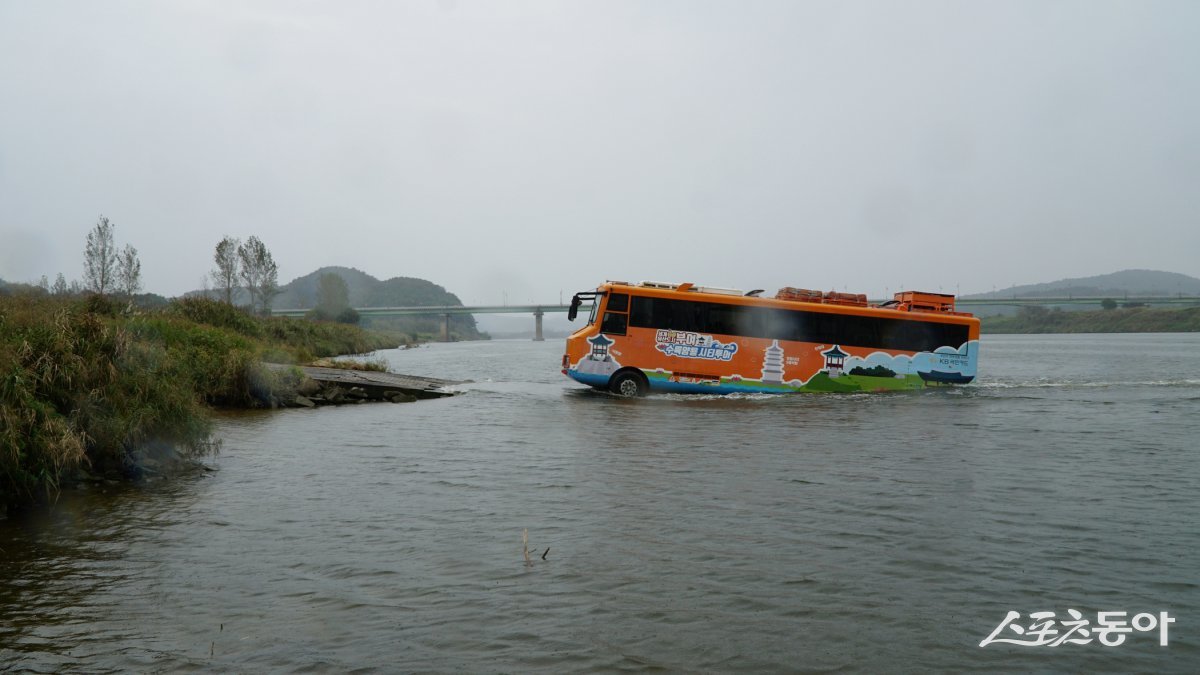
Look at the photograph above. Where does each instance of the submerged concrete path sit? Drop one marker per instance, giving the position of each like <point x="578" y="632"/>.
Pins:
<point x="377" y="383"/>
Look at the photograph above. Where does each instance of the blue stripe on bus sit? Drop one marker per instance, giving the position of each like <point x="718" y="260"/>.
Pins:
<point x="657" y="385"/>
<point x="589" y="378"/>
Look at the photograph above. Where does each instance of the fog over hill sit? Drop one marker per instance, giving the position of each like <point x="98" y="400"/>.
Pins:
<point x="367" y="291"/>
<point x="1116" y="284"/>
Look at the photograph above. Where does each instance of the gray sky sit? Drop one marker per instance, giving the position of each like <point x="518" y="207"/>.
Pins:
<point x="521" y="148"/>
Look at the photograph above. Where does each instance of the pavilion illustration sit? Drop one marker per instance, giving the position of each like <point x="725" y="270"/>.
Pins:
<point x="835" y="360"/>
<point x="600" y="345"/>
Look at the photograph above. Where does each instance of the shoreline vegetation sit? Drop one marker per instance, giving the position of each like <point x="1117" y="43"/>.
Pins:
<point x="95" y="388"/>
<point x="1035" y="319"/>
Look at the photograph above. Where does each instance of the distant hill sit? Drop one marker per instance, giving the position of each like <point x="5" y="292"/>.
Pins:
<point x="1117" y="285"/>
<point x="15" y="287"/>
<point x="367" y="291"/>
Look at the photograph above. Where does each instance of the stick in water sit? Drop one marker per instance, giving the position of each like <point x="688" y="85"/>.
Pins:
<point x="525" y="544"/>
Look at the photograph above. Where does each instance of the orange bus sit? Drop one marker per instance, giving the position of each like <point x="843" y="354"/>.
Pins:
<point x="691" y="339"/>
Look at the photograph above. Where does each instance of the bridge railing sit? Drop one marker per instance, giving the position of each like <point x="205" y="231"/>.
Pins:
<point x="428" y="310"/>
<point x="1069" y="300"/>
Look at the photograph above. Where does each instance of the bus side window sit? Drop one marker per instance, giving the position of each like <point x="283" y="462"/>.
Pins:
<point x="642" y="314"/>
<point x="614" y="323"/>
<point x="752" y="322"/>
<point x="616" y="315"/>
<point x="721" y="320"/>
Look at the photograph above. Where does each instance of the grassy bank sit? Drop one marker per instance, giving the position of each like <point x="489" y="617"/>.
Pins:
<point x="92" y="385"/>
<point x="1126" y="320"/>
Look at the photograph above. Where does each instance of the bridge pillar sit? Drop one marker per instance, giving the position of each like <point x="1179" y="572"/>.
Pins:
<point x="445" y="328"/>
<point x="537" y="326"/>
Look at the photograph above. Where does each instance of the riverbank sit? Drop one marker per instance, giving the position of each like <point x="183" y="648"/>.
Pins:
<point x="88" y="387"/>
<point x="1124" y="320"/>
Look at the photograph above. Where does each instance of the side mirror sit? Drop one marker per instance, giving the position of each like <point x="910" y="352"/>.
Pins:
<point x="574" y="309"/>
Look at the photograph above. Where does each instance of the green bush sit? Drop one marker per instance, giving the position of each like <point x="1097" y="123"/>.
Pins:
<point x="84" y="384"/>
<point x="1122" y="320"/>
<point x="216" y="313"/>
<point x="78" y="389"/>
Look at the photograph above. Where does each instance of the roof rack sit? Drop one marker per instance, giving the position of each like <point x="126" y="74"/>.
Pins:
<point x="717" y="290"/>
<point x="685" y="287"/>
<point x="827" y="298"/>
<point x="916" y="301"/>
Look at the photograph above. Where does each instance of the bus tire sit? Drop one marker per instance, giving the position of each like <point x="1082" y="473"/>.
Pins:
<point x="630" y="383"/>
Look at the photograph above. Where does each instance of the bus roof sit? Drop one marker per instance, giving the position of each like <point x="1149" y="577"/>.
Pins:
<point x="935" y="306"/>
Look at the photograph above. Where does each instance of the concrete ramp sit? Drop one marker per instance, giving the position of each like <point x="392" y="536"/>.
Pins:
<point x="376" y="385"/>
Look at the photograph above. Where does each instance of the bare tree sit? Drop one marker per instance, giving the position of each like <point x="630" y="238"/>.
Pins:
<point x="270" y="285"/>
<point x="129" y="271"/>
<point x="225" y="276"/>
<point x="248" y="270"/>
<point x="60" y="285"/>
<point x="259" y="274"/>
<point x="100" y="258"/>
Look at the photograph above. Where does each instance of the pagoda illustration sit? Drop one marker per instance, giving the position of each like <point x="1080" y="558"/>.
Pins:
<point x="835" y="361"/>
<point x="772" y="370"/>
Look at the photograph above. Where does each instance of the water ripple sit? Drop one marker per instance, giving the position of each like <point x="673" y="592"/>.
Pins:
<point x="758" y="533"/>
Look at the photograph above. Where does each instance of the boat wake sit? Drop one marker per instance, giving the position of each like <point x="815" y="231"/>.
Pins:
<point x="1073" y="384"/>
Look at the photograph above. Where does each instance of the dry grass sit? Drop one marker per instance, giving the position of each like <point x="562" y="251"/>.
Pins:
<point x="89" y="383"/>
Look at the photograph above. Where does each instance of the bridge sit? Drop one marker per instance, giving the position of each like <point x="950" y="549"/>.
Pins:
<point x="1176" y="300"/>
<point x="538" y="311"/>
<point x="446" y="311"/>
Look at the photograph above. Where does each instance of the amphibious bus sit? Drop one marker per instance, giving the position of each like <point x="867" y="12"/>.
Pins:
<point x="653" y="336"/>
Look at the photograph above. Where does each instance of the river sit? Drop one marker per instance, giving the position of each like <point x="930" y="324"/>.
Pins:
<point x="875" y="533"/>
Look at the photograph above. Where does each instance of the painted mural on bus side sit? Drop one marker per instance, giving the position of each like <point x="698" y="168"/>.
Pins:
<point x="838" y="369"/>
<point x="600" y="361"/>
<point x="655" y="336"/>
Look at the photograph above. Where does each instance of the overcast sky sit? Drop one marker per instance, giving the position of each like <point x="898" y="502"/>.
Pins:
<point x="516" y="149"/>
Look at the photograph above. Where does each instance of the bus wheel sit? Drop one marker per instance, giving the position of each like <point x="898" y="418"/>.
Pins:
<point x="628" y="383"/>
